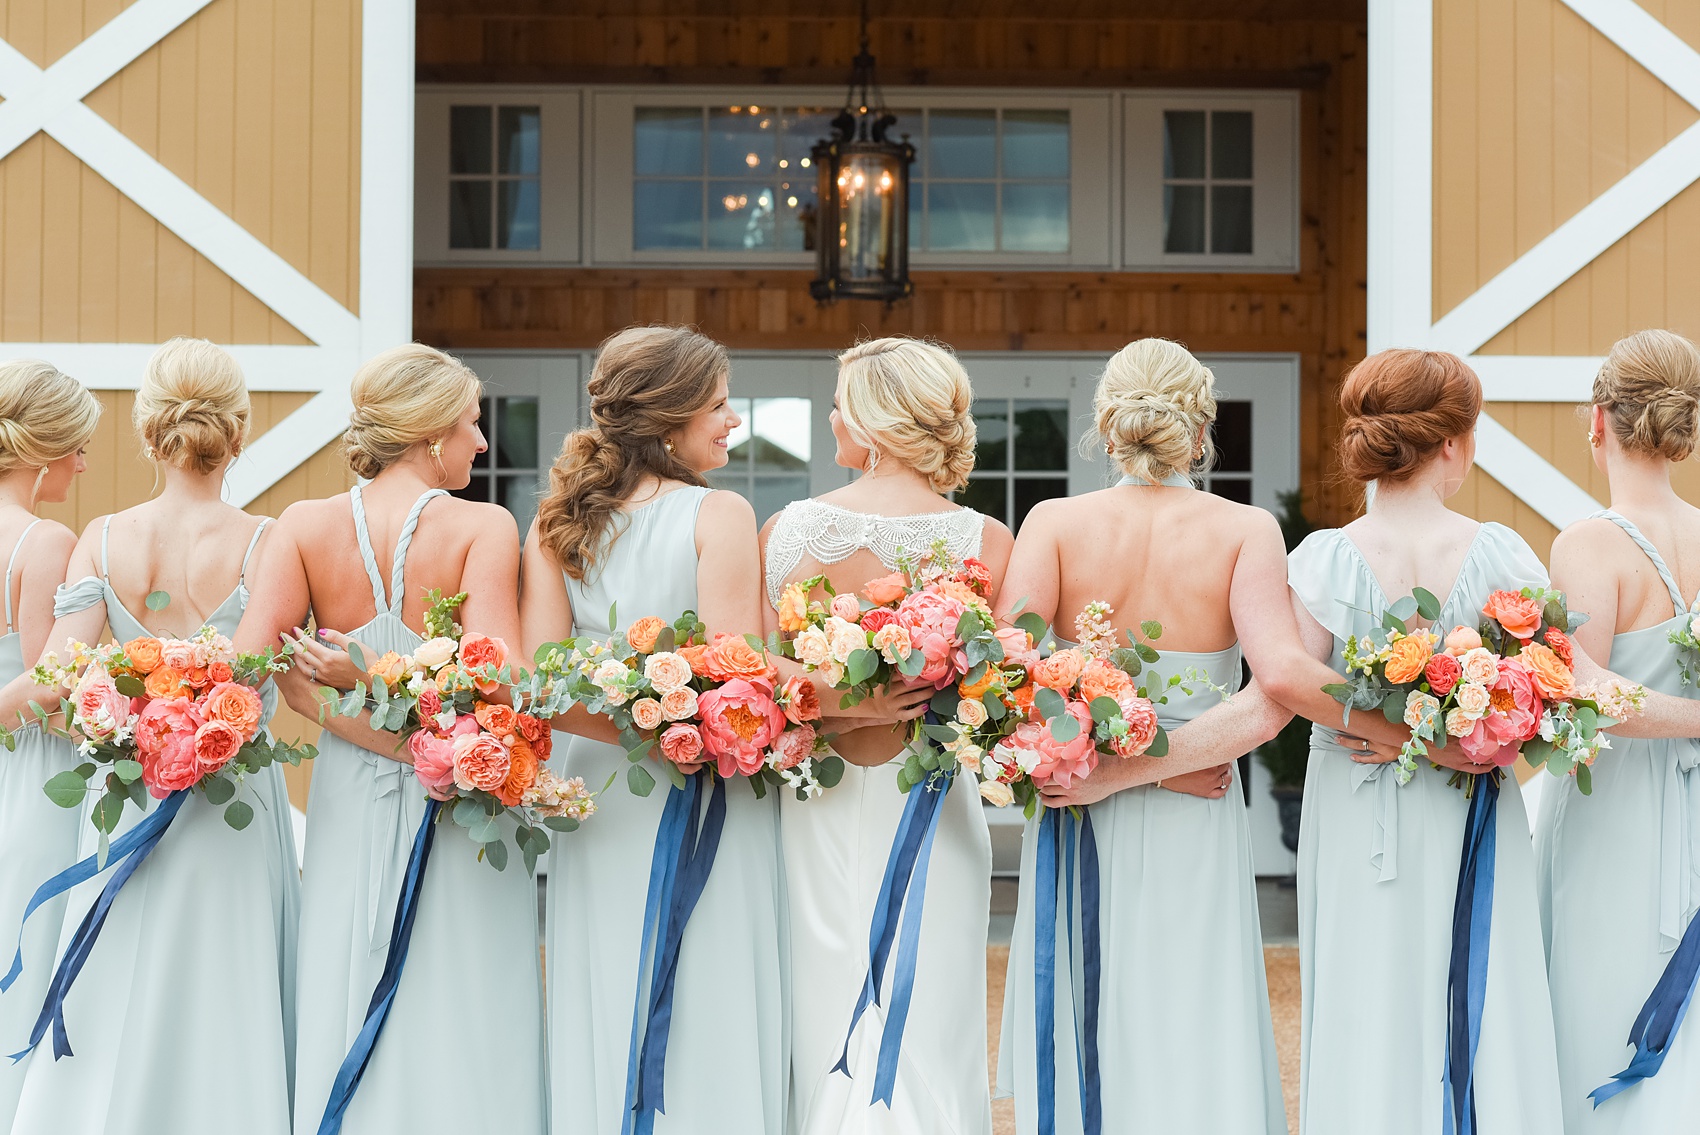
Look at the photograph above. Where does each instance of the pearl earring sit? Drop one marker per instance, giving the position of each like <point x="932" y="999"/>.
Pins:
<point x="436" y="449"/>
<point x="669" y="446"/>
<point x="1593" y="439"/>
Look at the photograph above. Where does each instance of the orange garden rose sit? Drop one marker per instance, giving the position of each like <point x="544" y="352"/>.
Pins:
<point x="731" y="657"/>
<point x="1408" y="657"/>
<point x="144" y="654"/>
<point x="494" y="717"/>
<point x="478" y="651"/>
<point x="237" y="706"/>
<point x="480" y="761"/>
<point x="1519" y="616"/>
<point x="522" y="773"/>
<point x="216" y="742"/>
<point x="1061" y="670"/>
<point x="1561" y="646"/>
<point x="1021" y="698"/>
<point x="1101" y="680"/>
<point x="643" y="633"/>
<point x="793" y="609"/>
<point x="164" y="682"/>
<point x="1552" y="677"/>
<point x="887" y="589"/>
<point x="976" y="690"/>
<point x="390" y="667"/>
<point x="697" y="657"/>
<point x="219" y="672"/>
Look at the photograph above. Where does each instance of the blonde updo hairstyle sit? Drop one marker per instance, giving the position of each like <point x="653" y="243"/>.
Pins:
<point x="403" y="396"/>
<point x="45" y="415"/>
<point x="1401" y="406"/>
<point x="909" y="401"/>
<point x="192" y="406"/>
<point x="1649" y="387"/>
<point x="647" y="383"/>
<point x="1154" y="402"/>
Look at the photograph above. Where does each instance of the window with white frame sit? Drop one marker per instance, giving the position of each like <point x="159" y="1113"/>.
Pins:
<point x="989" y="180"/>
<point x="1210" y="181"/>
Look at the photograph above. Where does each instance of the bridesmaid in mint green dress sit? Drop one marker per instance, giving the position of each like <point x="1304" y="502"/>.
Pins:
<point x="462" y="1047"/>
<point x="629" y="529"/>
<point x="45" y="419"/>
<point x="1620" y="868"/>
<point x="195" y="961"/>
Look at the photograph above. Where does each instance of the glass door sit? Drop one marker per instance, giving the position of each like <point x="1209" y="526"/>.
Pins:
<point x="530" y="404"/>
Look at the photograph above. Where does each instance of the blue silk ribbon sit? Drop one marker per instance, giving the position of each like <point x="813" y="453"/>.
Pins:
<point x="1466" y="979"/>
<point x="406" y="907"/>
<point x="1060" y="848"/>
<point x="1660" y="1017"/>
<point x="685" y="872"/>
<point x="900" y="903"/>
<point x="127" y="851"/>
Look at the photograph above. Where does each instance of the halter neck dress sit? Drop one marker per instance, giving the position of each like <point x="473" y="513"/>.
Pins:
<point x="836" y="847"/>
<point x="1620" y="880"/>
<point x="38" y="839"/>
<point x="726" y="1056"/>
<point x="183" y="1018"/>
<point x="1377" y="877"/>
<point x="462" y="1050"/>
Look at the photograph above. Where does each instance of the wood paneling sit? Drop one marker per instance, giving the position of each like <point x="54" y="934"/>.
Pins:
<point x="44" y="30"/>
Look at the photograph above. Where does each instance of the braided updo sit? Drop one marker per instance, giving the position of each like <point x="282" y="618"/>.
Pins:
<point x="403" y="396"/>
<point x="1153" y="401"/>
<point x="1650" y="389"/>
<point x="192" y="406"/>
<point x="909" y="401"/>
<point x="1401" y="405"/>
<point x="44" y="414"/>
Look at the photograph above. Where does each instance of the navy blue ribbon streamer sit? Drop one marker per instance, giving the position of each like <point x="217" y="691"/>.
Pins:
<point x="1466" y="979"/>
<point x="127" y="851"/>
<point x="1660" y="1017"/>
<point x="669" y="835"/>
<point x="691" y="875"/>
<point x="383" y="996"/>
<point x="1060" y="849"/>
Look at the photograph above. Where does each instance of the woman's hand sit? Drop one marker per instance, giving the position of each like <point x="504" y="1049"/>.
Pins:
<point x="889" y="706"/>
<point x="1109" y="778"/>
<point x="1367" y="752"/>
<point x="325" y="665"/>
<point x="1209" y="783"/>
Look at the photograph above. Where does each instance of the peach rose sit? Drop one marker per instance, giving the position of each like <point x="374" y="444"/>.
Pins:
<point x="696" y="658"/>
<point x="481" y="762"/>
<point x="178" y="655"/>
<point x="144" y="654"/>
<point x="794" y="746"/>
<point x="844" y="606"/>
<point x="390" y="668"/>
<point x="644" y="633"/>
<point x="887" y="589"/>
<point x="1407" y="658"/>
<point x="237" y="706"/>
<point x="844" y="639"/>
<point x="812" y="647"/>
<point x="1472" y="699"/>
<point x="478" y="651"/>
<point x="1479" y="666"/>
<point x="731" y="657"/>
<point x="433" y="763"/>
<point x="679" y="704"/>
<point x="1462" y="640"/>
<point x="892" y="641"/>
<point x="971" y="712"/>
<point x="434" y="653"/>
<point x="215" y="743"/>
<point x="799" y="700"/>
<point x="793" y="609"/>
<point x="996" y="793"/>
<point x="1018" y="648"/>
<point x="1100" y="679"/>
<point x="494" y="717"/>
<point x="1459" y="724"/>
<point x="1552" y="677"/>
<point x="646" y="713"/>
<point x="1519" y="616"/>
<point x="522" y="774"/>
<point x="100" y="709"/>
<point x="1141" y="718"/>
<point x="681" y="744"/>
<point x="1061" y="670"/>
<point x="164" y="682"/>
<point x="219" y="672"/>
<point x="165" y="744"/>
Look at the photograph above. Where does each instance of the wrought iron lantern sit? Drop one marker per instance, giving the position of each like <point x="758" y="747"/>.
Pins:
<point x="862" y="225"/>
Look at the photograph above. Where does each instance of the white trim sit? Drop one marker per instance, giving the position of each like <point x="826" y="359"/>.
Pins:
<point x="283" y="448"/>
<point x="118" y="366"/>
<point x="1661" y="51"/>
<point x="1401" y="160"/>
<point x="1536" y="378"/>
<point x="1535" y="481"/>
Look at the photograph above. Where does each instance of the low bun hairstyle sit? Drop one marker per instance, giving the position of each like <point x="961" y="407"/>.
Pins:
<point x="192" y="406"/>
<point x="1649" y="387"/>
<point x="403" y="396"/>
<point x="1152" y="403"/>
<point x="647" y="383"/>
<point x="1401" y="405"/>
<point x="45" y="415"/>
<point x="909" y="401"/>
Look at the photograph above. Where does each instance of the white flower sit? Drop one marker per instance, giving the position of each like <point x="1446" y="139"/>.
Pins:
<point x="1473" y="699"/>
<point x="968" y="757"/>
<point x="1694" y="626"/>
<point x="813" y="648"/>
<point x="1420" y="709"/>
<point x="1548" y="729"/>
<point x="1480" y="666"/>
<point x="996" y="793"/>
<point x="971" y="712"/>
<point x="434" y="654"/>
<point x="1459" y="723"/>
<point x="844" y="638"/>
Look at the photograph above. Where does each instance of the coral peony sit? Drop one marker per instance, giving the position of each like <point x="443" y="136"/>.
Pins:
<point x="1059" y="762"/>
<point x="740" y="720"/>
<point x="430" y="701"/>
<point x="1519" y="615"/>
<point x="1516" y="715"/>
<point x="433" y="763"/>
<point x="931" y="621"/>
<point x="165" y="745"/>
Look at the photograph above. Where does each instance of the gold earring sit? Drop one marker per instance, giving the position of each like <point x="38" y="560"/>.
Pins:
<point x="669" y="446"/>
<point x="436" y="449"/>
<point x="1593" y="439"/>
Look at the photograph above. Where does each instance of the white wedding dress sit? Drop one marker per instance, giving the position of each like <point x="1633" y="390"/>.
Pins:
<point x="835" y="848"/>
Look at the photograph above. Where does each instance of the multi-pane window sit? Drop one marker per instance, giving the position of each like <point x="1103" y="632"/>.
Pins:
<point x="725" y="178"/>
<point x="1207" y="181"/>
<point x="508" y="472"/>
<point x="495" y="200"/>
<point x="1020" y="456"/>
<point x="768" y="454"/>
<point x="1230" y="476"/>
<point x="988" y="180"/>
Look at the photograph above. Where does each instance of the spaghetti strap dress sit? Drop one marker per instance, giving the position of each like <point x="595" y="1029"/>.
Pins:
<point x="1185" y="1041"/>
<point x="183" y="1018"/>
<point x="1619" y="883"/>
<point x="38" y="839"/>
<point x="728" y="1050"/>
<point x="462" y="1049"/>
<point x="1377" y="878"/>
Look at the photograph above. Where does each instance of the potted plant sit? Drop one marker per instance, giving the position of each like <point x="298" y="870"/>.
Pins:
<point x="1287" y="755"/>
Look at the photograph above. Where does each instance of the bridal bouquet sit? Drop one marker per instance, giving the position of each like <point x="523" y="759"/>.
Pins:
<point x="161" y="716"/>
<point x="1501" y="689"/>
<point x="693" y="703"/>
<point x="481" y="756"/>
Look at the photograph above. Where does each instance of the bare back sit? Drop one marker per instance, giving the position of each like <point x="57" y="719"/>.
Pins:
<point x="1604" y="572"/>
<point x="190" y="550"/>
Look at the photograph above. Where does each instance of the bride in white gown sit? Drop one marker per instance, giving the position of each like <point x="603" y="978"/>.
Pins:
<point x="901" y="417"/>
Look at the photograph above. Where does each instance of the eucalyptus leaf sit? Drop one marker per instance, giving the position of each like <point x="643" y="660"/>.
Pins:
<point x="1403" y="608"/>
<point x="138" y="794"/>
<point x="219" y="790"/>
<point x="158" y="600"/>
<point x="756" y="644"/>
<point x="66" y="789"/>
<point x="968" y="624"/>
<point x="759" y="787"/>
<point x="1049" y="703"/>
<point x="130" y="686"/>
<point x="127" y="770"/>
<point x="496" y="853"/>
<point x="1151" y="629"/>
<point x="829" y="771"/>
<point x="913" y="663"/>
<point x="1104" y="708"/>
<point x="1585" y="780"/>
<point x="995" y="709"/>
<point x="468" y="812"/>
<point x="357" y="656"/>
<point x="239" y="815"/>
<point x="675" y="775"/>
<point x="107" y="810"/>
<point x="560" y="823"/>
<point x="1033" y="624"/>
<point x="666" y="639"/>
<point x="1146" y="653"/>
<point x="863" y="663"/>
<point x="944" y="703"/>
<point x="1427" y="605"/>
<point x="1536" y="751"/>
<point x="531" y="854"/>
<point x="1159" y="744"/>
<point x="1393" y="707"/>
<point x="484" y="829"/>
<point x="639" y="780"/>
<point x="1064" y="727"/>
<point x="1392" y="622"/>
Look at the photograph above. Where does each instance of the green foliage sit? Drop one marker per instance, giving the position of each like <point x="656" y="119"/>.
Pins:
<point x="158" y="600"/>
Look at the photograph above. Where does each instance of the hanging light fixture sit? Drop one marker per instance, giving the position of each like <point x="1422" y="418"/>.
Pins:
<point x="862" y="226"/>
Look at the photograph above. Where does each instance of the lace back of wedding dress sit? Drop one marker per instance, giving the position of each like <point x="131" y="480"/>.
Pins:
<point x="831" y="534"/>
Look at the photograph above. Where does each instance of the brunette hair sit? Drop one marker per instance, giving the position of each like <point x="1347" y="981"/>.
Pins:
<point x="403" y="396"/>
<point x="1153" y="402"/>
<point x="1401" y="405"/>
<point x="647" y="383"/>
<point x="910" y="400"/>
<point x="192" y="406"/>
<point x="1649" y="387"/>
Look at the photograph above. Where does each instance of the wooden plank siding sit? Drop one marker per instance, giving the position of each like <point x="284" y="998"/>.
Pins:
<point x="1318" y="48"/>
